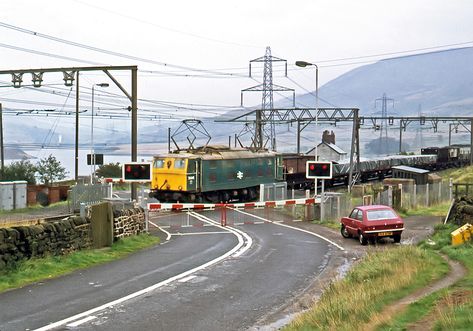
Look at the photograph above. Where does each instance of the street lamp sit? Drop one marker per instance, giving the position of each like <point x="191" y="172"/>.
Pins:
<point x="92" y="151"/>
<point x="304" y="64"/>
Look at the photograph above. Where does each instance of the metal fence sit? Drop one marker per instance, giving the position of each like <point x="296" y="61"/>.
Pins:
<point x="337" y="205"/>
<point x="88" y="194"/>
<point x="273" y="191"/>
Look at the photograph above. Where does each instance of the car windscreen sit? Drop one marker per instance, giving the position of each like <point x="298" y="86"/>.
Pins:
<point x="382" y="214"/>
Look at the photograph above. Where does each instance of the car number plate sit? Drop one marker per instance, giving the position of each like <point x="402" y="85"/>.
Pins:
<point x="384" y="234"/>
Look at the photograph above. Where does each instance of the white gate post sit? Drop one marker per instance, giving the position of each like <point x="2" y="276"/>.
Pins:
<point x="401" y="195"/>
<point x="450" y="189"/>
<point x="414" y="204"/>
<point x="427" y="195"/>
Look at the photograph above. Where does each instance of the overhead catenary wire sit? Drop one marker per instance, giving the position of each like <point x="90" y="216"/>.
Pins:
<point x="190" y="34"/>
<point x="104" y="51"/>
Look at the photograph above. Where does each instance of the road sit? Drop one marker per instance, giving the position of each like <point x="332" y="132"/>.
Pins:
<point x="203" y="278"/>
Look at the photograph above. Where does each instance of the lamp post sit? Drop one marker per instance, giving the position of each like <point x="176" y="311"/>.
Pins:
<point x="92" y="151"/>
<point x="304" y="64"/>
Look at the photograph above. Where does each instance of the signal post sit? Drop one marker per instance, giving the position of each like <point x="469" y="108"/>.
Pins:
<point x="319" y="170"/>
<point x="138" y="172"/>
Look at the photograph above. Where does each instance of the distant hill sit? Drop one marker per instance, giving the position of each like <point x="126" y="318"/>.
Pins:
<point x="438" y="83"/>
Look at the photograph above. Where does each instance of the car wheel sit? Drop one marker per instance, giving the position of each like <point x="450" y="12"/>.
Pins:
<point x="397" y="238"/>
<point x="344" y="232"/>
<point x="362" y="239"/>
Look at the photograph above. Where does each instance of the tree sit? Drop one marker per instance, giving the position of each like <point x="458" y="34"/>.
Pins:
<point x="20" y="170"/>
<point x="49" y="170"/>
<point x="111" y="170"/>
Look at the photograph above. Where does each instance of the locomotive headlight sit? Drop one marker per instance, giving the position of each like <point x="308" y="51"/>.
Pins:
<point x="179" y="188"/>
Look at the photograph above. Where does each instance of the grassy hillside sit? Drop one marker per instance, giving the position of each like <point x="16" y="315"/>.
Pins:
<point x="461" y="175"/>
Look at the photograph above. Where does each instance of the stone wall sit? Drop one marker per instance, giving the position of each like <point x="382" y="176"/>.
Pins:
<point x="61" y="237"/>
<point x="128" y="222"/>
<point x="54" y="238"/>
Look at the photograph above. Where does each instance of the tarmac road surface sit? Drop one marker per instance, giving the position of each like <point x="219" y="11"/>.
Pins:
<point x="229" y="279"/>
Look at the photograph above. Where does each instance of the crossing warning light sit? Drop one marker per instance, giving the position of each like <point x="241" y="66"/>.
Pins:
<point x="136" y="172"/>
<point x="318" y="170"/>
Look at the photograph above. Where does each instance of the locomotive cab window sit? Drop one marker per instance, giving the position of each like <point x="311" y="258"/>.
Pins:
<point x="158" y="163"/>
<point x="179" y="164"/>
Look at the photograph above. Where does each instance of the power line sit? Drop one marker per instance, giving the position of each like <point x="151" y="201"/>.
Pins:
<point x="32" y="51"/>
<point x="194" y="35"/>
<point x="398" y="52"/>
<point x="104" y="51"/>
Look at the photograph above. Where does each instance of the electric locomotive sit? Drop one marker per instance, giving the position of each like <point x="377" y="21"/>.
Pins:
<point x="214" y="173"/>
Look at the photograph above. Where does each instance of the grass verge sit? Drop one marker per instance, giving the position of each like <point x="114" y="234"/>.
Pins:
<point x="437" y="210"/>
<point x="380" y="278"/>
<point x="29" y="271"/>
<point x="333" y="224"/>
<point x="449" y="309"/>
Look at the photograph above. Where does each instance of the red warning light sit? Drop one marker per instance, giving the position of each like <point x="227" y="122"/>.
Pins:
<point x="137" y="172"/>
<point x="319" y="169"/>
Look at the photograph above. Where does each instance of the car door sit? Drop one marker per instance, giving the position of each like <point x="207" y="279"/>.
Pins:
<point x="358" y="222"/>
<point x="350" y="221"/>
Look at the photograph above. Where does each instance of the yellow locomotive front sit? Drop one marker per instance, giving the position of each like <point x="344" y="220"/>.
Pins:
<point x="174" y="177"/>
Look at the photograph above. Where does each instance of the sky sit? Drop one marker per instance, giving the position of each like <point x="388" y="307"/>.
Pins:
<point x="193" y="56"/>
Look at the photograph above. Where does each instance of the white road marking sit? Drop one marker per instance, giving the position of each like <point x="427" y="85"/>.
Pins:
<point x="199" y="233"/>
<point x="168" y="235"/>
<point x="292" y="227"/>
<point x="237" y="232"/>
<point x="235" y="250"/>
<point x="183" y="280"/>
<point x="82" y="321"/>
<point x="258" y="223"/>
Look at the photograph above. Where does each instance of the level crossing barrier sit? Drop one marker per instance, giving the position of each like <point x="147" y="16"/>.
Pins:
<point x="211" y="206"/>
<point x="227" y="216"/>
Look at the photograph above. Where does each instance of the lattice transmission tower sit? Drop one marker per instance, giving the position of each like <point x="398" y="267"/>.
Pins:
<point x="265" y="137"/>
<point x="383" y="128"/>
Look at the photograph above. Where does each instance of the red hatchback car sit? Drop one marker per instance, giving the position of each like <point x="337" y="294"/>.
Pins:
<point x="369" y="223"/>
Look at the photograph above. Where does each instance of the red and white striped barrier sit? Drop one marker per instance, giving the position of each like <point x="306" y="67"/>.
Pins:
<point x="201" y="206"/>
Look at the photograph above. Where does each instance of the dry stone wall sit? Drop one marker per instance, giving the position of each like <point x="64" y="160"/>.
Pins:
<point x="128" y="222"/>
<point x="55" y="238"/>
<point x="62" y="237"/>
<point x="462" y="211"/>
